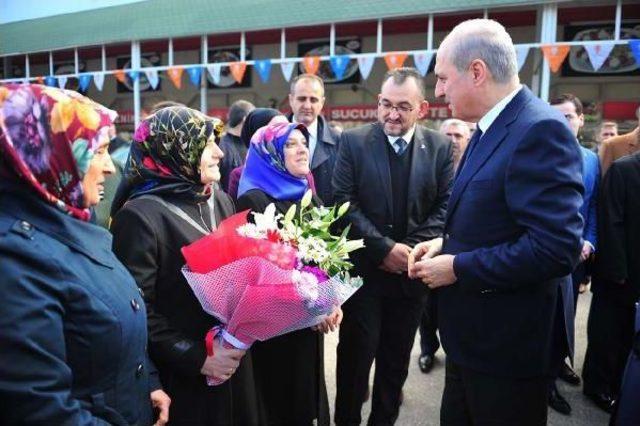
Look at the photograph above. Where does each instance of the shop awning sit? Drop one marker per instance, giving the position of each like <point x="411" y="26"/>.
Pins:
<point x="154" y="19"/>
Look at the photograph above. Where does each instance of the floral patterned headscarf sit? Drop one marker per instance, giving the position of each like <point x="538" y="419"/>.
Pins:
<point x="47" y="139"/>
<point x="165" y="155"/>
<point x="265" y="166"/>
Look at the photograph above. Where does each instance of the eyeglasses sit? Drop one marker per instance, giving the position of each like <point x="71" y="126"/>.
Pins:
<point x="400" y="109"/>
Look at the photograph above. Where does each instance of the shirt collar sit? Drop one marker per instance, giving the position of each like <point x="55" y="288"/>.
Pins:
<point x="407" y="136"/>
<point x="487" y="120"/>
<point x="313" y="129"/>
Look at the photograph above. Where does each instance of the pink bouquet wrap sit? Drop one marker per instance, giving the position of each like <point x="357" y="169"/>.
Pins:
<point x="254" y="288"/>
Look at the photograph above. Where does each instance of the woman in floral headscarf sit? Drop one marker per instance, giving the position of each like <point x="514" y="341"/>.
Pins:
<point x="289" y="369"/>
<point x="172" y="167"/>
<point x="73" y="350"/>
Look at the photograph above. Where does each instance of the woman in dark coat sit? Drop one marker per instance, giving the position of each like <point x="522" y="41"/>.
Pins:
<point x="72" y="323"/>
<point x="289" y="369"/>
<point x="173" y="165"/>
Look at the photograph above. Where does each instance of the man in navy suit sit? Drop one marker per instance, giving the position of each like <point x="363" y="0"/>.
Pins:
<point x="571" y="107"/>
<point x="512" y="235"/>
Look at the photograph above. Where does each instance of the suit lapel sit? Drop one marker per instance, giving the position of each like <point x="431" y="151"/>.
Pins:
<point x="323" y="140"/>
<point x="487" y="145"/>
<point x="422" y="154"/>
<point x="380" y="154"/>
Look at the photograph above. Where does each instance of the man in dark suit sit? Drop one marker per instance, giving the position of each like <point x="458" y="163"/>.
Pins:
<point x="512" y="236"/>
<point x="616" y="282"/>
<point x="397" y="176"/>
<point x="307" y="100"/>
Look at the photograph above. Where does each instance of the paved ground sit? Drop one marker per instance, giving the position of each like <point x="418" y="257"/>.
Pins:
<point x="423" y="392"/>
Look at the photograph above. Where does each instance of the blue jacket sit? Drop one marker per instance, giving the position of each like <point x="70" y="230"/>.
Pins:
<point x="514" y="228"/>
<point x="73" y="325"/>
<point x="591" y="182"/>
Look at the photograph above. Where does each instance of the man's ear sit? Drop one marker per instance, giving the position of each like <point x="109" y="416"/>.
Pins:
<point x="423" y="109"/>
<point x="479" y="71"/>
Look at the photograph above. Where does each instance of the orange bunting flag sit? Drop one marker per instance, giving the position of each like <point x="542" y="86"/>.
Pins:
<point x="311" y="64"/>
<point x="237" y="70"/>
<point x="395" y="60"/>
<point x="119" y="75"/>
<point x="555" y="54"/>
<point x="175" y="74"/>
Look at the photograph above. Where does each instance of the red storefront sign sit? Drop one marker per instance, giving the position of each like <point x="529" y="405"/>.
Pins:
<point x="619" y="110"/>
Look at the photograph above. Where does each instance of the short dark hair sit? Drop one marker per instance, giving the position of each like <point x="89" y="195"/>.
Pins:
<point x="238" y="111"/>
<point x="568" y="97"/>
<point x="400" y="75"/>
<point x="306" y="76"/>
<point x="164" y="104"/>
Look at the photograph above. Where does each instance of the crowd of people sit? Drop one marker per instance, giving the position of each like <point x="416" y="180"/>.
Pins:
<point x="480" y="235"/>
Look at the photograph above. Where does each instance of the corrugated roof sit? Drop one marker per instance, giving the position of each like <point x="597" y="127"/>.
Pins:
<point x="154" y="19"/>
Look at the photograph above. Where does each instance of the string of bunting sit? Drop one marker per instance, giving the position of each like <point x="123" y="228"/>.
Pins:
<point x="555" y="55"/>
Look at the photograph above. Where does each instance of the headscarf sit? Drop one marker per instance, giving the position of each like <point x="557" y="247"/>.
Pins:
<point x="47" y="139"/>
<point x="265" y="167"/>
<point x="166" y="151"/>
<point x="258" y="117"/>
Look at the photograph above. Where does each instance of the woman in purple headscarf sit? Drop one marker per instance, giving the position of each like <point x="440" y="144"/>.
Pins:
<point x="276" y="172"/>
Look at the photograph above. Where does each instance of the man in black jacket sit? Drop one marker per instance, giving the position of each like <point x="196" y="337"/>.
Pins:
<point x="233" y="148"/>
<point x="307" y="100"/>
<point x="397" y="176"/>
<point x="616" y="282"/>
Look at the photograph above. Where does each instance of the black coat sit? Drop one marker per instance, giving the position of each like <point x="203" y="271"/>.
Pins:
<point x="235" y="153"/>
<point x="362" y="177"/>
<point x="618" y="257"/>
<point x="147" y="239"/>
<point x="72" y="322"/>
<point x="324" y="160"/>
<point x="289" y="369"/>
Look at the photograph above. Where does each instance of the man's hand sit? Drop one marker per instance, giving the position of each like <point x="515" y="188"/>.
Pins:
<point x="435" y="272"/>
<point x="161" y="401"/>
<point x="223" y="363"/>
<point x="425" y="250"/>
<point x="331" y="322"/>
<point x="396" y="261"/>
<point x="587" y="249"/>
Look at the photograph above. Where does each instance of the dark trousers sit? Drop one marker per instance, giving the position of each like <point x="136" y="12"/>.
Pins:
<point x="609" y="336"/>
<point x="429" y="343"/>
<point x="381" y="325"/>
<point x="479" y="399"/>
<point x="578" y="277"/>
<point x="559" y="345"/>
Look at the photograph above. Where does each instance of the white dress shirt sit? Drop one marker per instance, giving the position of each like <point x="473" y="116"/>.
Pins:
<point x="407" y="137"/>
<point x="487" y="120"/>
<point x="313" y="138"/>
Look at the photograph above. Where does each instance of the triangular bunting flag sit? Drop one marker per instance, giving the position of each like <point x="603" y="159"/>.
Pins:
<point x="98" y="80"/>
<point x="50" y="81"/>
<point x="195" y="74"/>
<point x="175" y="75"/>
<point x="152" y="78"/>
<point x="422" y="61"/>
<point x="311" y="64"/>
<point x="365" y="64"/>
<point x="133" y="75"/>
<point x="119" y="75"/>
<point x="634" y="45"/>
<point x="395" y="59"/>
<point x="62" y="81"/>
<point x="237" y="70"/>
<point x="339" y="65"/>
<point x="40" y="80"/>
<point x="521" y="54"/>
<point x="598" y="53"/>
<point x="555" y="54"/>
<point x="287" y="69"/>
<point x="214" y="72"/>
<point x="263" y="67"/>
<point x="84" y="80"/>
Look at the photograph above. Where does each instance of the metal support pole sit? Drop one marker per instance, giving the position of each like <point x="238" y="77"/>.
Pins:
<point x="379" y="38"/>
<point x="618" y="19"/>
<point x="170" y="53"/>
<point x="104" y="59"/>
<point x="76" y="61"/>
<point x="485" y="14"/>
<point x="135" y="66"/>
<point x="549" y="21"/>
<point x="243" y="47"/>
<point x="283" y="44"/>
<point x="332" y="40"/>
<point x="430" y="33"/>
<point x="204" y="44"/>
<point x="50" y="63"/>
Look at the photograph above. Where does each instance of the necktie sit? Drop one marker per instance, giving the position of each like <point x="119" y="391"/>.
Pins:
<point x="470" y="148"/>
<point x="400" y="145"/>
